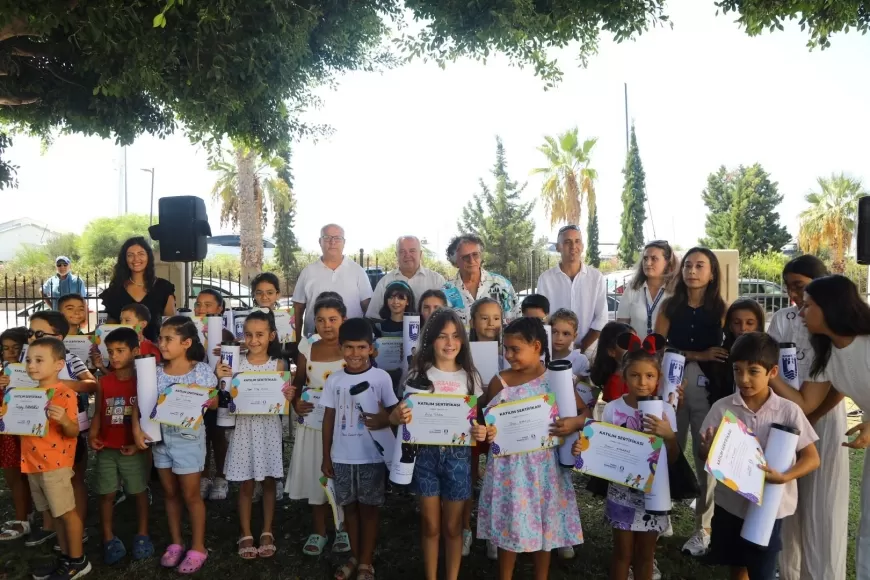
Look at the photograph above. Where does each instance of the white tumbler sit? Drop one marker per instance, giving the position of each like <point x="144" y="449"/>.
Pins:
<point x="405" y="452"/>
<point x="788" y="364"/>
<point x="146" y="394"/>
<point x="410" y="336"/>
<point x="366" y="401"/>
<point x="230" y="354"/>
<point x="214" y="334"/>
<point x="658" y="501"/>
<point x="560" y="379"/>
<point x="239" y="316"/>
<point x="673" y="365"/>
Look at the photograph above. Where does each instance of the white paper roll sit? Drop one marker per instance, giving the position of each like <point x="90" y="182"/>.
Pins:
<point x="658" y="501"/>
<point x="788" y="364"/>
<point x="780" y="455"/>
<point x="239" y="316"/>
<point x="230" y="355"/>
<point x="404" y="454"/>
<point x="228" y="320"/>
<point x="486" y="360"/>
<point x="410" y="336"/>
<point x="214" y="333"/>
<point x="185" y="312"/>
<point x="673" y="366"/>
<point x="146" y="395"/>
<point x="561" y="381"/>
<point x="364" y="398"/>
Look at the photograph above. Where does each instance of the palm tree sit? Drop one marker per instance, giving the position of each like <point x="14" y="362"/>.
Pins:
<point x="568" y="178"/>
<point x="830" y="219"/>
<point x="248" y="187"/>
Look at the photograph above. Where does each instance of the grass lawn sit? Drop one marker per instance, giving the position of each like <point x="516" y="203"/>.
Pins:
<point x="398" y="556"/>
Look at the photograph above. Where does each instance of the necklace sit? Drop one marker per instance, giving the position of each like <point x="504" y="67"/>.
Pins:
<point x="141" y="285"/>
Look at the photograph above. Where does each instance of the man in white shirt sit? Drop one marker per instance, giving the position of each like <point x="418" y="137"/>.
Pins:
<point x="575" y="286"/>
<point x="333" y="271"/>
<point x="420" y="279"/>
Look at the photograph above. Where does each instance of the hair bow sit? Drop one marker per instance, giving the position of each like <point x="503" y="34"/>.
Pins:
<point x="632" y="343"/>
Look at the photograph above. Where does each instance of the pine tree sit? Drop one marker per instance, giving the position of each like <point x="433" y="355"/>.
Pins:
<point x="502" y="221"/>
<point x="633" y="205"/>
<point x="593" y="256"/>
<point x="286" y="244"/>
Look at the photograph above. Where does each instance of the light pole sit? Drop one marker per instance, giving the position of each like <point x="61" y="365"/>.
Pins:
<point x="151" y="205"/>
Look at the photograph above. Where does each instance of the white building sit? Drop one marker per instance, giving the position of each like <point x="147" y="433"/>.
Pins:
<point x="22" y="232"/>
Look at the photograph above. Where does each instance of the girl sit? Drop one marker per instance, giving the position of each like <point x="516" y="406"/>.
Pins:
<point x="430" y="301"/>
<point x="267" y="290"/>
<point x="305" y="343"/>
<point x="634" y="531"/>
<point x="442" y="475"/>
<point x="744" y="315"/>
<point x="255" y="451"/>
<point x="311" y="374"/>
<point x="180" y="455"/>
<point x="528" y="502"/>
<point x="486" y="320"/>
<point x="644" y="295"/>
<point x="398" y="300"/>
<point x="692" y="321"/>
<point x="605" y="367"/>
<point x="815" y="538"/>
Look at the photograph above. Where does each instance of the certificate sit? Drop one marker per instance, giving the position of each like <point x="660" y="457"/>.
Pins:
<point x="284" y="324"/>
<point x="523" y="426"/>
<point x="618" y="454"/>
<point x="259" y="393"/>
<point x="337" y="510"/>
<point x="18" y="377"/>
<point x="182" y="405"/>
<point x="586" y="392"/>
<point x="314" y="419"/>
<point x="734" y="457"/>
<point x="23" y="411"/>
<point x="80" y="345"/>
<point x="441" y="419"/>
<point x="389" y="353"/>
<point x="99" y="338"/>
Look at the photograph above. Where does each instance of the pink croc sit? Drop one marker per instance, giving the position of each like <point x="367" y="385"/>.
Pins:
<point x="172" y="556"/>
<point x="192" y="562"/>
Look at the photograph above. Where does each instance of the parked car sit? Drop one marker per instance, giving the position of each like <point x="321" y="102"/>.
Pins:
<point x="235" y="294"/>
<point x="230" y="245"/>
<point x="770" y="295"/>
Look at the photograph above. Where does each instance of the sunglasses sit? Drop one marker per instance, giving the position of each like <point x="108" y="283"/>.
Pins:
<point x="40" y="334"/>
<point x="59" y="264"/>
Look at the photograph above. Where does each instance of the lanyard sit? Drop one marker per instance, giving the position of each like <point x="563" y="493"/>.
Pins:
<point x="651" y="309"/>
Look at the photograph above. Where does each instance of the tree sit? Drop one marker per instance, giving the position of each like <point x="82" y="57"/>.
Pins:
<point x="742" y="211"/>
<point x="103" y="237"/>
<point x="501" y="220"/>
<point x="593" y="256"/>
<point x="568" y="178"/>
<point x="285" y="218"/>
<point x="7" y="170"/>
<point x="829" y="222"/>
<point x="633" y="205"/>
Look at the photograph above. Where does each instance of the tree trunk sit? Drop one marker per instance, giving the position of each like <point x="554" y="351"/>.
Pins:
<point x="250" y="222"/>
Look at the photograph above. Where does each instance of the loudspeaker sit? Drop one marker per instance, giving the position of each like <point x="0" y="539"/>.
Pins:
<point x="182" y="229"/>
<point x="863" y="243"/>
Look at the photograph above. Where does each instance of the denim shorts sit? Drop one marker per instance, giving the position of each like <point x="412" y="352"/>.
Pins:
<point x="363" y="483"/>
<point x="442" y="471"/>
<point x="182" y="450"/>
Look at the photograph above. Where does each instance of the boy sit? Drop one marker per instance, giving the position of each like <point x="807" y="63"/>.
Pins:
<point x="349" y="454"/>
<point x="755" y="358"/>
<point x="536" y="306"/>
<point x="48" y="460"/>
<point x="118" y="457"/>
<point x="563" y="325"/>
<point x="73" y="308"/>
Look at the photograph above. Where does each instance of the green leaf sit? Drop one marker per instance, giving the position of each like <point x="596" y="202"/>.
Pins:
<point x="159" y="21"/>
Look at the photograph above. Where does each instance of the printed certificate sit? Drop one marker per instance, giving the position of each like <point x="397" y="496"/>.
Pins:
<point x="99" y="338"/>
<point x="284" y="324"/>
<point x="337" y="510"/>
<point x="523" y="426"/>
<point x="618" y="454"/>
<point x="441" y="419"/>
<point x="259" y="393"/>
<point x="734" y="457"/>
<point x="314" y="419"/>
<point x="23" y="411"/>
<point x="182" y="405"/>
<point x="80" y="345"/>
<point x="18" y="377"/>
<point x="389" y="353"/>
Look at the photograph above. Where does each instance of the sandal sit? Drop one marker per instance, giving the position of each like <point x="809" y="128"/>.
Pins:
<point x="267" y="550"/>
<point x="346" y="571"/>
<point x="365" y="572"/>
<point x="247" y="552"/>
<point x="142" y="547"/>
<point x="113" y="551"/>
<point x="314" y="545"/>
<point x="9" y="533"/>
<point x="193" y="562"/>
<point x="172" y="556"/>
<point x="341" y="544"/>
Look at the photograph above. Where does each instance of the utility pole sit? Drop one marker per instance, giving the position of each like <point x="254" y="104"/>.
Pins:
<point x="151" y="204"/>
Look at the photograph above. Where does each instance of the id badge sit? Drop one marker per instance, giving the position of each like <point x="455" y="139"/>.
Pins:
<point x="703" y="381"/>
<point x="84" y="421"/>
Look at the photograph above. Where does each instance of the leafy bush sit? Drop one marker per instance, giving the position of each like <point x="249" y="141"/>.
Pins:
<point x="766" y="266"/>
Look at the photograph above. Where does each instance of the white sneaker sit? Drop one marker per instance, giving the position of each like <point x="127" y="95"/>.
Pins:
<point x="219" y="489"/>
<point x="491" y="550"/>
<point x="656" y="575"/>
<point x="466" y="542"/>
<point x="204" y="487"/>
<point x="698" y="545"/>
<point x="566" y="552"/>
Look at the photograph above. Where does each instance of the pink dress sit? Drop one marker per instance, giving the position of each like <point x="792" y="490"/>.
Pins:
<point x="528" y="503"/>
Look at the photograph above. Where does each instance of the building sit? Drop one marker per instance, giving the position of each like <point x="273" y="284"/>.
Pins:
<point x="22" y="232"/>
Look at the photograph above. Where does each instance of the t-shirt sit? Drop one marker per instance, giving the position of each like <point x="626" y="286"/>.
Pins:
<point x="848" y="369"/>
<point x="453" y="383"/>
<point x="351" y="444"/>
<point x="148" y="347"/>
<point x="614" y="388"/>
<point x="787" y="326"/>
<point x="116" y="410"/>
<point x="116" y="297"/>
<point x="348" y="279"/>
<point x="54" y="450"/>
<point x="70" y="372"/>
<point x="579" y="363"/>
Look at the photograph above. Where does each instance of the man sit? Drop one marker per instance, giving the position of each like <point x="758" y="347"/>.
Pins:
<point x="331" y="272"/>
<point x="577" y="287"/>
<point x="62" y="283"/>
<point x="472" y="282"/>
<point x="420" y="279"/>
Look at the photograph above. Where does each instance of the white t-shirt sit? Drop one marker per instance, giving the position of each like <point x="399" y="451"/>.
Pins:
<point x="453" y="383"/>
<point x="351" y="444"/>
<point x="579" y="363"/>
<point x="633" y="306"/>
<point x="787" y="326"/>
<point x="349" y="280"/>
<point x="848" y="370"/>
<point x="585" y="296"/>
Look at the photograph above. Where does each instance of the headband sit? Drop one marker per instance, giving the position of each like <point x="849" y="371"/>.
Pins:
<point x="401" y="283"/>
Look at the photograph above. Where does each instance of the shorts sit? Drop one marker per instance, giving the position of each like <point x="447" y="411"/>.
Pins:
<point x="442" y="471"/>
<point x="363" y="483"/>
<point x="53" y="491"/>
<point x="727" y="548"/>
<point x="113" y="467"/>
<point x="10" y="452"/>
<point x="81" y="448"/>
<point x="182" y="450"/>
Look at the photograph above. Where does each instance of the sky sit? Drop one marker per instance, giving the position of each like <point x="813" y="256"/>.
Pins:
<point x="410" y="145"/>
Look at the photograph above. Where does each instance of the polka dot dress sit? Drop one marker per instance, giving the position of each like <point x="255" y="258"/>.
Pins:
<point x="255" y="449"/>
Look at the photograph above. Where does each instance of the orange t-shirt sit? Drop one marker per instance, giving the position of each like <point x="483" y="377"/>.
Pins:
<point x="54" y="451"/>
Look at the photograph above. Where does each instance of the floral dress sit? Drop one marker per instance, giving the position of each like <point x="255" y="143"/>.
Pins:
<point x="624" y="509"/>
<point x="528" y="503"/>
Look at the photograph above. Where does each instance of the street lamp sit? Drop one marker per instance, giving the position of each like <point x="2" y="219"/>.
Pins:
<point x="151" y="205"/>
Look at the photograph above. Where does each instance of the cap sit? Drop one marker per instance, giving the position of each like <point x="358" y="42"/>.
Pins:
<point x="62" y="259"/>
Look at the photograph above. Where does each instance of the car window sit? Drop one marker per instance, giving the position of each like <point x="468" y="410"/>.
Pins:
<point x="743" y="288"/>
<point x="772" y="289"/>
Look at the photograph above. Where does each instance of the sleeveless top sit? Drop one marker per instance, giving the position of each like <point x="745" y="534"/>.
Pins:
<point x="694" y="329"/>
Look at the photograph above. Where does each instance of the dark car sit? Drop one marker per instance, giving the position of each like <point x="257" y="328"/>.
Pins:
<point x="375" y="273"/>
<point x="770" y="295"/>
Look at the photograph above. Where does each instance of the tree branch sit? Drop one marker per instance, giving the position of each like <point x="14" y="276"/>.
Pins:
<point x="15" y="101"/>
<point x="17" y="27"/>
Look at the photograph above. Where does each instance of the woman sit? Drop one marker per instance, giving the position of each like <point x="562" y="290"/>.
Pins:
<point x="133" y="280"/>
<point x="838" y="320"/>
<point x="644" y="296"/>
<point x="692" y="320"/>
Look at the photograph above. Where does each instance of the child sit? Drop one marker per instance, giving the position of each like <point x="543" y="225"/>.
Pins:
<point x="312" y="370"/>
<point x="743" y="316"/>
<point x="536" y="306"/>
<point x="563" y="330"/>
<point x="266" y="289"/>
<point x="442" y="475"/>
<point x="305" y="344"/>
<point x="111" y="436"/>
<point x="180" y="455"/>
<point x="398" y="300"/>
<point x="430" y="301"/>
<point x="605" y="367"/>
<point x="350" y="457"/>
<point x="486" y="320"/>
<point x="528" y="502"/>
<point x="134" y="315"/>
<point x="48" y="461"/>
<point x="755" y="358"/>
<point x="255" y="450"/>
<point x="74" y="309"/>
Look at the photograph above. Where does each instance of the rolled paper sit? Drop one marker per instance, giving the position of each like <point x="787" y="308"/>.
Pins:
<point x="780" y="454"/>
<point x="102" y="317"/>
<point x="185" y="312"/>
<point x="228" y="320"/>
<point x="486" y="360"/>
<point x="410" y="335"/>
<point x="146" y="394"/>
<point x="239" y="316"/>
<point x="404" y="451"/>
<point x="788" y="364"/>
<point x="365" y="400"/>
<point x="214" y="333"/>
<point x="658" y="501"/>
<point x="673" y="365"/>
<point x="561" y="380"/>
<point x="230" y="354"/>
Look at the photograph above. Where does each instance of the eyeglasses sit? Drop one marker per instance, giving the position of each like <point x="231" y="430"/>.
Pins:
<point x="40" y="334"/>
<point x="471" y="257"/>
<point x="331" y="239"/>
